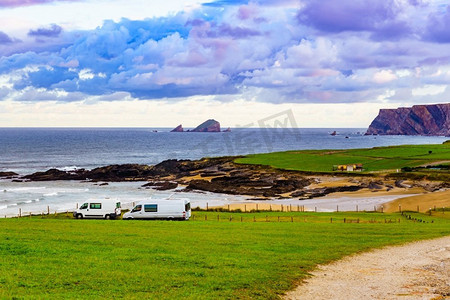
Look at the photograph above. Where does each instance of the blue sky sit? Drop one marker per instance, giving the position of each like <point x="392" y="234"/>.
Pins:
<point x="160" y="63"/>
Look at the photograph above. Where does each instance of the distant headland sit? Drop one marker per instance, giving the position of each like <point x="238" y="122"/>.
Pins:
<point x="210" y="125"/>
<point x="416" y="120"/>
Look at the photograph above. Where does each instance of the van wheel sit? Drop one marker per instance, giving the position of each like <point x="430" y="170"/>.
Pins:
<point x="79" y="216"/>
<point x="107" y="217"/>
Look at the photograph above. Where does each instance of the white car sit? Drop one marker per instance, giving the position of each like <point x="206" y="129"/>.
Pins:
<point x="103" y="209"/>
<point x="176" y="209"/>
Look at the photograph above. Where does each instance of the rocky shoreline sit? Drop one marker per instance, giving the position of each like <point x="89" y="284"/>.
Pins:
<point x="223" y="175"/>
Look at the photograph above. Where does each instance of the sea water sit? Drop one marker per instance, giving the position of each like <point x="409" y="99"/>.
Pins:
<point x="28" y="150"/>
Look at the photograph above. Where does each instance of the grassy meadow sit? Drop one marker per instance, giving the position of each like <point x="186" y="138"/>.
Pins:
<point x="374" y="159"/>
<point x="253" y="256"/>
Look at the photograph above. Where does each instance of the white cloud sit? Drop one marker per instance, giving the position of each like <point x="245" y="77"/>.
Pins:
<point x="429" y="90"/>
<point x="384" y="76"/>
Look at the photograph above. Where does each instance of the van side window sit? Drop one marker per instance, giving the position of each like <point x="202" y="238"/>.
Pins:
<point x="137" y="208"/>
<point x="187" y="207"/>
<point x="117" y="204"/>
<point x="151" y="207"/>
<point x="95" y="206"/>
<point x="84" y="206"/>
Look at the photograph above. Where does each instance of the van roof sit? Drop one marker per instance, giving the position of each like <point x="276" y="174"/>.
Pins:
<point x="164" y="200"/>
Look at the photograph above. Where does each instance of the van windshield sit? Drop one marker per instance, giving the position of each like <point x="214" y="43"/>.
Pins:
<point x="187" y="206"/>
<point x="137" y="208"/>
<point x="84" y="206"/>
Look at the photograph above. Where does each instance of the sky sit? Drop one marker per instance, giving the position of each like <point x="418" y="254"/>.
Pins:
<point x="137" y="63"/>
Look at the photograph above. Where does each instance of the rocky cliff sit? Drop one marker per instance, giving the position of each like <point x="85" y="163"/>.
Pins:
<point x="416" y="120"/>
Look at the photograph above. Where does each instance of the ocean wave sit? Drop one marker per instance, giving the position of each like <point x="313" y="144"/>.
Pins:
<point x="51" y="194"/>
<point x="68" y="168"/>
<point x="21" y="202"/>
<point x="25" y="189"/>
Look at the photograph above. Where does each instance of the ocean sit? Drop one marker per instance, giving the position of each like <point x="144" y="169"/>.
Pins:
<point x="28" y="150"/>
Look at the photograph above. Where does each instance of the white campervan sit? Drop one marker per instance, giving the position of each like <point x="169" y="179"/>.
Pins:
<point x="105" y="209"/>
<point x="160" y="209"/>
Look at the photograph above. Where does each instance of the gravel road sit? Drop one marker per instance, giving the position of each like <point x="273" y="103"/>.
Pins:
<point x="419" y="270"/>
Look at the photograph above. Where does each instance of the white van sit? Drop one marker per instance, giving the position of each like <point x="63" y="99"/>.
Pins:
<point x="105" y="209"/>
<point x="160" y="209"/>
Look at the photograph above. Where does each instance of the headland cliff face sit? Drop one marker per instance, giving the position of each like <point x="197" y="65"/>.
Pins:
<point x="416" y="120"/>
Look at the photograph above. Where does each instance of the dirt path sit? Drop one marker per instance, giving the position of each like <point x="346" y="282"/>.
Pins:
<point x="419" y="270"/>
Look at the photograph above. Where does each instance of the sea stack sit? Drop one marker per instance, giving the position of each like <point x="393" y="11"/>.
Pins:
<point x="179" y="128"/>
<point x="416" y="120"/>
<point x="208" y="126"/>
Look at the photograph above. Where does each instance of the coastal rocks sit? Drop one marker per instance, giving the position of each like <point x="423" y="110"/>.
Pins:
<point x="416" y="120"/>
<point x="8" y="174"/>
<point x="321" y="192"/>
<point x="252" y="186"/>
<point x="126" y="172"/>
<point x="109" y="173"/>
<point x="400" y="184"/>
<point x="161" y="185"/>
<point x="179" y="128"/>
<point x="375" y="185"/>
<point x="55" y="174"/>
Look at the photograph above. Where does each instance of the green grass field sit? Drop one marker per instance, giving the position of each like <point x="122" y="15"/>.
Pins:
<point x="373" y="159"/>
<point x="213" y="259"/>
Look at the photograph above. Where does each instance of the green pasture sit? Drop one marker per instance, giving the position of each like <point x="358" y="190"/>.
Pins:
<point x="216" y="255"/>
<point x="373" y="159"/>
